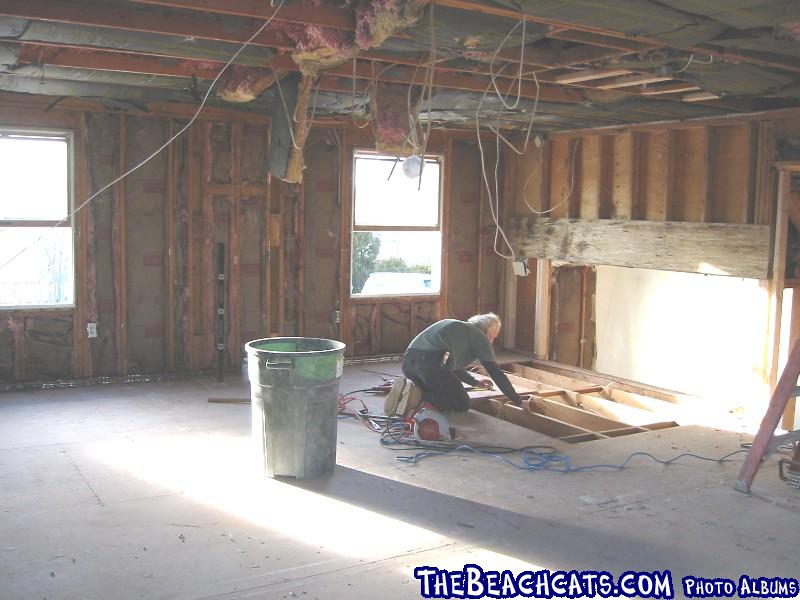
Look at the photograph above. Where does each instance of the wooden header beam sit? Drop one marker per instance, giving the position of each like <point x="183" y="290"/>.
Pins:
<point x="710" y="248"/>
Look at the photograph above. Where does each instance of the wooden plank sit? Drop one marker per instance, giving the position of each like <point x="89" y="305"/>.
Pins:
<point x="622" y="199"/>
<point x="561" y="185"/>
<point x="541" y="327"/>
<point x="663" y="410"/>
<point x="765" y="155"/>
<point x="788" y="421"/>
<point x="345" y="227"/>
<point x="567" y="383"/>
<point x="638" y="156"/>
<point x="712" y="248"/>
<point x="84" y="263"/>
<point x="671" y="161"/>
<point x="710" y="210"/>
<point x="589" y="75"/>
<point x="266" y="262"/>
<point x="448" y="172"/>
<point x="195" y="231"/>
<point x="209" y="275"/>
<point x="233" y="278"/>
<point x="605" y="408"/>
<point x="655" y="165"/>
<point x="780" y="395"/>
<point x="615" y="410"/>
<point x="690" y="173"/>
<point x="572" y="415"/>
<point x="633" y="80"/>
<point x="623" y="431"/>
<point x="615" y="382"/>
<point x="519" y="416"/>
<point x="732" y="168"/>
<point x="119" y="244"/>
<point x="169" y="274"/>
<point x="592" y="184"/>
<point x="778" y="275"/>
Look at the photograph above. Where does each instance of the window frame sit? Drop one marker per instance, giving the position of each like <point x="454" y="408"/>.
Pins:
<point x="439" y="227"/>
<point x="67" y="222"/>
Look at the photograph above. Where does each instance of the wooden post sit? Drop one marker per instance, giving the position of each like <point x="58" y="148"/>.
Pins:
<point x="444" y="216"/>
<point x="120" y="256"/>
<point x="84" y="271"/>
<point x="266" y="263"/>
<point x="778" y="275"/>
<point x="541" y="326"/>
<point x="170" y="272"/>
<point x="233" y="342"/>
<point x="345" y="224"/>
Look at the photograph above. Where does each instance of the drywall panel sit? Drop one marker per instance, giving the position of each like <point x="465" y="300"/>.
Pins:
<point x="700" y="334"/>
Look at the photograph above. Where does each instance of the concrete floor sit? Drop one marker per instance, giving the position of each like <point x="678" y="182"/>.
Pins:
<point x="148" y="491"/>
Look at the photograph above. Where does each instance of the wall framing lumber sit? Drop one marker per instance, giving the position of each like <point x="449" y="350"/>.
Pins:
<point x="541" y="327"/>
<point x="711" y="248"/>
<point x="120" y="255"/>
<point x="170" y="252"/>
<point x="84" y="272"/>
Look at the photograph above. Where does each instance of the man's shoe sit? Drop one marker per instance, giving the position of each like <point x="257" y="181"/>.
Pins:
<point x="395" y="395"/>
<point x="411" y="400"/>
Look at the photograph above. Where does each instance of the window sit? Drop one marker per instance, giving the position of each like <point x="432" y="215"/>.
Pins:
<point x="36" y="248"/>
<point x="397" y="237"/>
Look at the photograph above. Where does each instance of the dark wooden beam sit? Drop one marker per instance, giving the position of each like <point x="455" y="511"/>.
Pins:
<point x="712" y="248"/>
<point x="302" y="12"/>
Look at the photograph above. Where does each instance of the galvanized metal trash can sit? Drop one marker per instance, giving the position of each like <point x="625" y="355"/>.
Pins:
<point x="294" y="388"/>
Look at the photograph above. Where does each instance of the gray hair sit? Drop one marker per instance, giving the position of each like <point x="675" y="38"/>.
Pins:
<point x="484" y="322"/>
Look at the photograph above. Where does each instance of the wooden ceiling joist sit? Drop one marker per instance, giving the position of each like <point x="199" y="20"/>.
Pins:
<point x="590" y="75"/>
<point x="674" y="88"/>
<point x="632" y="81"/>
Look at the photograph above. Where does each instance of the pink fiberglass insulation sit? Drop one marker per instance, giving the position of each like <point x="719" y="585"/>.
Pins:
<point x="242" y="84"/>
<point x="378" y="19"/>
<point x="310" y="38"/>
<point x="390" y="120"/>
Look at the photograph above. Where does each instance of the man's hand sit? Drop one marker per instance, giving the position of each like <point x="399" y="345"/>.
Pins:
<point x="484" y="384"/>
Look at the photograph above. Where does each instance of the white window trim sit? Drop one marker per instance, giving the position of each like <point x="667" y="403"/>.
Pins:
<point x="366" y="152"/>
<point x="69" y="136"/>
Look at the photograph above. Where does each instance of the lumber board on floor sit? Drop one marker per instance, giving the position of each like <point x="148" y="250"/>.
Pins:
<point x="519" y="416"/>
<point x="572" y="415"/>
<point x="568" y="383"/>
<point x="616" y="382"/>
<point x="638" y="401"/>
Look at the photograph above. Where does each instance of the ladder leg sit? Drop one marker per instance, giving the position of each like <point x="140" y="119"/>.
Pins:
<point x="780" y="397"/>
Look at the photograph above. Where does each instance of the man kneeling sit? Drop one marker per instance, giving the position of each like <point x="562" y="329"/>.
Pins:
<point x="436" y="362"/>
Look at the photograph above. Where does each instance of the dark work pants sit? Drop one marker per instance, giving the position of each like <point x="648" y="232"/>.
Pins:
<point x="440" y="387"/>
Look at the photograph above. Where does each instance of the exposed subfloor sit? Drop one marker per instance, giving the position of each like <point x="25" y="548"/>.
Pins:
<point x="149" y="491"/>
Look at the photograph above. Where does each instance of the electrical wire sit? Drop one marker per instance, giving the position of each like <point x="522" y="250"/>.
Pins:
<point x="691" y="59"/>
<point x="534" y="459"/>
<point x="523" y="22"/>
<point x="164" y="145"/>
<point x="396" y="430"/>
<point x="568" y="195"/>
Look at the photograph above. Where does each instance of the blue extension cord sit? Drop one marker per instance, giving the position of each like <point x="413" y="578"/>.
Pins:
<point x="550" y="460"/>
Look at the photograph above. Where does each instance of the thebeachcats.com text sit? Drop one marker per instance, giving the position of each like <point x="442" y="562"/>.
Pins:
<point x="473" y="582"/>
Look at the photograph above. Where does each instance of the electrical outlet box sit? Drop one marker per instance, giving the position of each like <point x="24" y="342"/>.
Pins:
<point x="91" y="330"/>
<point x="520" y="267"/>
<point x="337" y="316"/>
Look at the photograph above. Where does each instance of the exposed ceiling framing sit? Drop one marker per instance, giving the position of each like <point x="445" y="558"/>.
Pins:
<point x="567" y="64"/>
